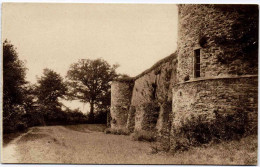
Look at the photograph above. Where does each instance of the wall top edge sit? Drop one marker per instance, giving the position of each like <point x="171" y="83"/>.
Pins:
<point x="157" y="64"/>
<point x="217" y="78"/>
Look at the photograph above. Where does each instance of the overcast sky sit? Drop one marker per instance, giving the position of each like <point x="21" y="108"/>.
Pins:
<point x="56" y="35"/>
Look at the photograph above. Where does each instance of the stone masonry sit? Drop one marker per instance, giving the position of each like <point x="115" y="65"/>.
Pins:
<point x="208" y="75"/>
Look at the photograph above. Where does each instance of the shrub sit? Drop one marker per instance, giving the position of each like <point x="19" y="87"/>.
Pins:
<point x="107" y="131"/>
<point x="144" y="136"/>
<point x="203" y="128"/>
<point x="119" y="131"/>
<point x="151" y="114"/>
<point x="13" y="121"/>
<point x="123" y="131"/>
<point x="21" y="126"/>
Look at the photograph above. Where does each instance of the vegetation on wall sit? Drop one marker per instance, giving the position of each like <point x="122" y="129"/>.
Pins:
<point x="244" y="36"/>
<point x="131" y="118"/>
<point x="163" y="136"/>
<point x="151" y="113"/>
<point x="203" y="128"/>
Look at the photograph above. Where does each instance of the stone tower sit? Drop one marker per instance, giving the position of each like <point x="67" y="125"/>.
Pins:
<point x="217" y="64"/>
<point x="121" y="93"/>
<point x="210" y="82"/>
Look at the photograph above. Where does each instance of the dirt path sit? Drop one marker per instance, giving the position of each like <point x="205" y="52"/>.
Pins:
<point x="10" y="153"/>
<point x="59" y="144"/>
<point x="87" y="144"/>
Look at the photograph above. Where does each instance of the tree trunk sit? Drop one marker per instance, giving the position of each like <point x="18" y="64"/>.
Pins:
<point x="91" y="113"/>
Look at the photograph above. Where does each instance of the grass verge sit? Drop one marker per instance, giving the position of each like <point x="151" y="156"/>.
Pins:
<point x="144" y="136"/>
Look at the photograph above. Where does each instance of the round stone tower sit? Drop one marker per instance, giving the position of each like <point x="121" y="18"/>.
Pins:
<point x="217" y="40"/>
<point x="121" y="93"/>
<point x="217" y="64"/>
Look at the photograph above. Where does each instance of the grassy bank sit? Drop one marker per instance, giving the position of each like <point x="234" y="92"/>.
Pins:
<point x="85" y="144"/>
<point x="240" y="152"/>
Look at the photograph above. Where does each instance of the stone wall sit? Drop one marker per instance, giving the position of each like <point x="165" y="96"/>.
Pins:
<point x="168" y="97"/>
<point x="153" y="88"/>
<point x="228" y="68"/>
<point x="121" y="93"/>
<point x="136" y="103"/>
<point x="209" y="97"/>
<point x="215" y="30"/>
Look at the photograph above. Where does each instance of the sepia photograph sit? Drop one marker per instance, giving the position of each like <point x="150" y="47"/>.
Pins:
<point x="129" y="83"/>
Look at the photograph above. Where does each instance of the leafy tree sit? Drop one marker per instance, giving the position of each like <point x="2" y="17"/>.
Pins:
<point x="50" y="88"/>
<point x="29" y="102"/>
<point x="14" y="82"/>
<point x="89" y="81"/>
<point x="14" y="72"/>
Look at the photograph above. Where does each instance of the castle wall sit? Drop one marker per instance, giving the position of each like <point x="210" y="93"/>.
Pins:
<point x="151" y="90"/>
<point x="121" y="93"/>
<point x="215" y="30"/>
<point x="222" y="96"/>
<point x="172" y="99"/>
<point x="228" y="73"/>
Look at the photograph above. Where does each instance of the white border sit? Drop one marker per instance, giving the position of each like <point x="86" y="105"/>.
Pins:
<point x="114" y="2"/>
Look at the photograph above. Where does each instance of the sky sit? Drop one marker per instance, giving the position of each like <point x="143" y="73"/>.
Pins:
<point x="54" y="36"/>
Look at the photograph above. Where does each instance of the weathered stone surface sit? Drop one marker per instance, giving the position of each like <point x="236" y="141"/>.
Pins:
<point x="210" y="22"/>
<point x="153" y="88"/>
<point x="131" y="119"/>
<point x="163" y="126"/>
<point x="207" y="97"/>
<point x="121" y="93"/>
<point x="220" y="90"/>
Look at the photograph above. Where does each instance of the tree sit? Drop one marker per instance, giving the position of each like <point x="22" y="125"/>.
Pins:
<point x="14" y="82"/>
<point x="50" y="88"/>
<point x="14" y="72"/>
<point x="89" y="81"/>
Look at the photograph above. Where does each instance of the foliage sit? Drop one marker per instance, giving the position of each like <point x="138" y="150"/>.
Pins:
<point x="30" y="99"/>
<point x="50" y="88"/>
<point x="202" y="129"/>
<point x="14" y="72"/>
<point x="243" y="38"/>
<point x="100" y="117"/>
<point x="13" y="121"/>
<point x="131" y="118"/>
<point x="163" y="137"/>
<point x="89" y="82"/>
<point x="118" y="131"/>
<point x="151" y="114"/>
<point x="235" y="152"/>
<point x="26" y="105"/>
